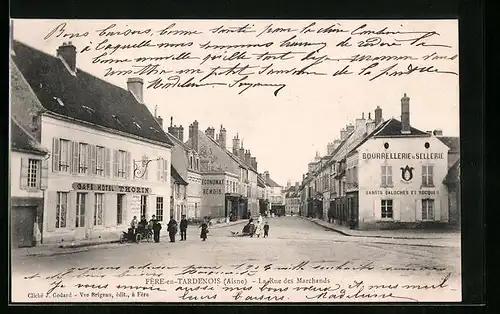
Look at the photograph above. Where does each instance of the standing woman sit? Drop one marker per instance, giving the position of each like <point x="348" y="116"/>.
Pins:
<point x="204" y="230"/>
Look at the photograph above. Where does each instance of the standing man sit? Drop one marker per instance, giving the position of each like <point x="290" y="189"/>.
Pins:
<point x="156" y="226"/>
<point x="134" y="224"/>
<point x="172" y="228"/>
<point x="183" y="226"/>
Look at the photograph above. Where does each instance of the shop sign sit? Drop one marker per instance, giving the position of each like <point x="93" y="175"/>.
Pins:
<point x="408" y="156"/>
<point x="110" y="188"/>
<point x="393" y="192"/>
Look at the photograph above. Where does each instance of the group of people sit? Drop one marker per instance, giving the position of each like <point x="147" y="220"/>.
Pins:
<point x="155" y="226"/>
<point x="261" y="229"/>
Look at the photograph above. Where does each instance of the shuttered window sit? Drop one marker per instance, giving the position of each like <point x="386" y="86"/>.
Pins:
<point x="98" y="209"/>
<point x="386" y="207"/>
<point x="159" y="208"/>
<point x="64" y="155"/>
<point x="33" y="173"/>
<point x="144" y="205"/>
<point x="122" y="164"/>
<point x="61" y="209"/>
<point x="427" y="209"/>
<point x="100" y="160"/>
<point x="386" y="175"/>
<point x="427" y="175"/>
<point x="83" y="158"/>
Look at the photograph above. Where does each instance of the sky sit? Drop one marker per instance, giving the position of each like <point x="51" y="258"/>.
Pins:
<point x="283" y="132"/>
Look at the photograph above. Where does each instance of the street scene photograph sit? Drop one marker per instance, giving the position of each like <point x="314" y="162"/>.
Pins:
<point x="233" y="161"/>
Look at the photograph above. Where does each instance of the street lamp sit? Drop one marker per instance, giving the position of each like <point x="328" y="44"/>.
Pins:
<point x="141" y="166"/>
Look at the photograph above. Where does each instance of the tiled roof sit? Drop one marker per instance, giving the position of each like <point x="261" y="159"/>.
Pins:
<point x="177" y="177"/>
<point x="453" y="175"/>
<point x="261" y="182"/>
<point x="453" y="142"/>
<point x="393" y="129"/>
<point x="85" y="97"/>
<point x="271" y="182"/>
<point x="21" y="141"/>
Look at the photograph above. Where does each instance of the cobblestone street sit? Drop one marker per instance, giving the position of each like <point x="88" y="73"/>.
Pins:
<point x="291" y="241"/>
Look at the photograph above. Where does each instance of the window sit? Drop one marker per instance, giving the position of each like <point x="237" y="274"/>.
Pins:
<point x="159" y="208"/>
<point x="61" y="209"/>
<point x="83" y="158"/>
<point x="33" y="173"/>
<point x="144" y="205"/>
<point x="427" y="209"/>
<point x="120" y="199"/>
<point x="98" y="208"/>
<point x="386" y="209"/>
<point x="195" y="210"/>
<point x="99" y="165"/>
<point x="427" y="175"/>
<point x="80" y="210"/>
<point x="191" y="162"/>
<point x="64" y="157"/>
<point x="386" y="175"/>
<point x="122" y="155"/>
<point x="197" y="164"/>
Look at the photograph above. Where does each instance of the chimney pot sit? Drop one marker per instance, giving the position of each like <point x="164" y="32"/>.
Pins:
<point x="194" y="139"/>
<point x="135" y="86"/>
<point x="68" y="53"/>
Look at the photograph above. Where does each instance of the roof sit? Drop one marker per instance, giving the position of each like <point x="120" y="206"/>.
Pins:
<point x="271" y="182"/>
<point x="453" y="142"/>
<point x="177" y="177"/>
<point x="22" y="141"/>
<point x="85" y="97"/>
<point x="260" y="181"/>
<point x="453" y="175"/>
<point x="368" y="136"/>
<point x="392" y="128"/>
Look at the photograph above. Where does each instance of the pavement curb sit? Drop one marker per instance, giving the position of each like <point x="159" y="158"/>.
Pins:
<point x="367" y="235"/>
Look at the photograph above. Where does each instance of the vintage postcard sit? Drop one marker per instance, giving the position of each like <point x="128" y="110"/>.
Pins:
<point x="234" y="161"/>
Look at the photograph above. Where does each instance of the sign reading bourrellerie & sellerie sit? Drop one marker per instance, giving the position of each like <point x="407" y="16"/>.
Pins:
<point x="110" y="188"/>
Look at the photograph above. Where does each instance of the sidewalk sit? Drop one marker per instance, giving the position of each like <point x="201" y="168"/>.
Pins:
<point x="85" y="245"/>
<point x="417" y="234"/>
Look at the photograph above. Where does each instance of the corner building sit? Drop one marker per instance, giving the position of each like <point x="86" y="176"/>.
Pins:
<point x="109" y="158"/>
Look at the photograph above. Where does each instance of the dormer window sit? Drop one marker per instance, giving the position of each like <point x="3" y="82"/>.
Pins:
<point x="89" y="110"/>
<point x="118" y="120"/>
<point x="59" y="101"/>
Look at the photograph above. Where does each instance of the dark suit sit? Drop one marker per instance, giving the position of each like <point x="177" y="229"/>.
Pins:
<point x="183" y="227"/>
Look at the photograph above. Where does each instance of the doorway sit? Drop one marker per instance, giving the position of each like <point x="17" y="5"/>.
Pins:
<point x="81" y="203"/>
<point x="23" y="220"/>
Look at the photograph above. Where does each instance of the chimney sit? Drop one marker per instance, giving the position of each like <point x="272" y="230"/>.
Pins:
<point x="248" y="157"/>
<point x="266" y="174"/>
<point x="210" y="132"/>
<point x="222" y="137"/>
<point x="378" y="115"/>
<point x="369" y="117"/>
<point x="288" y="184"/>
<point x="160" y="121"/>
<point x="438" y="132"/>
<point x="370" y="126"/>
<point x="190" y="132"/>
<point x="68" y="53"/>
<point x="330" y="148"/>
<point x="236" y="144"/>
<point x="303" y="177"/>
<point x="217" y="138"/>
<point x="360" y="123"/>
<point x="343" y="134"/>
<point x="253" y="162"/>
<point x="297" y="186"/>
<point x="180" y="131"/>
<point x="172" y="129"/>
<point x="241" y="154"/>
<point x="405" y="115"/>
<point x="349" y="128"/>
<point x="135" y="85"/>
<point x="194" y="139"/>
